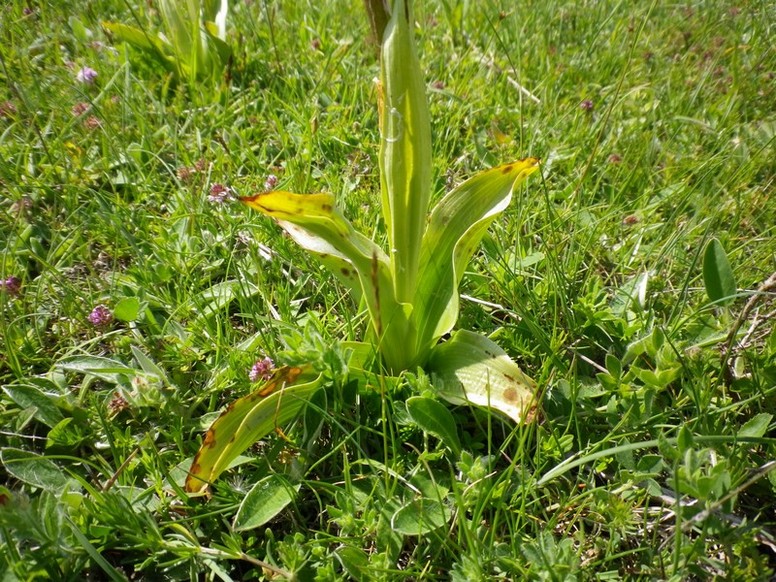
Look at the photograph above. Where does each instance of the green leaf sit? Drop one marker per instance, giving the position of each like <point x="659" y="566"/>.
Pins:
<point x="264" y="501"/>
<point x="134" y="36"/>
<point x="684" y="439"/>
<point x="354" y="561"/>
<point x="127" y="309"/>
<point x="756" y="426"/>
<point x="249" y="419"/>
<point x="34" y="470"/>
<point x="420" y="516"/>
<point x="471" y="369"/>
<point x="718" y="274"/>
<point x="434" y="418"/>
<point x="25" y="396"/>
<point x="67" y="434"/>
<point x="111" y="371"/>
<point x="405" y="148"/>
<point x="147" y="364"/>
<point x="456" y="227"/>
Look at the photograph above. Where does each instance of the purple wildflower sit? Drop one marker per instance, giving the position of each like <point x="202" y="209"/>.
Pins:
<point x="270" y="182"/>
<point x="12" y="285"/>
<point x="79" y="109"/>
<point x="185" y="173"/>
<point x="7" y="109"/>
<point x="92" y="122"/>
<point x="586" y="105"/>
<point x="261" y="370"/>
<point x="100" y="316"/>
<point x="117" y="404"/>
<point x="220" y="194"/>
<point x="86" y="75"/>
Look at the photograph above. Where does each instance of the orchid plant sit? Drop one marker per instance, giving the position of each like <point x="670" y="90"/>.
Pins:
<point x="193" y="46"/>
<point x="410" y="289"/>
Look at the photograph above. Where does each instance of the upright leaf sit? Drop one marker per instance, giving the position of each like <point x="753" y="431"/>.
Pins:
<point x="456" y="227"/>
<point x="718" y="274"/>
<point x="405" y="149"/>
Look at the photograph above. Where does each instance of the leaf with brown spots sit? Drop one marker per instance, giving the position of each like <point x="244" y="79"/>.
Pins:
<point x="471" y="369"/>
<point x="249" y="419"/>
<point x="319" y="227"/>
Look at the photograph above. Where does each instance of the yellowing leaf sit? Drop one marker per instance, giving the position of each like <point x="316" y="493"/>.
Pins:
<point x="471" y="369"/>
<point x="317" y="225"/>
<point x="249" y="419"/>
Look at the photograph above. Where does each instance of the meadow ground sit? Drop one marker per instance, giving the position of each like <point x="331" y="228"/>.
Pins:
<point x="136" y="297"/>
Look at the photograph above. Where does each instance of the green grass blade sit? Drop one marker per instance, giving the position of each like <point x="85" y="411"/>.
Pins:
<point x="95" y="555"/>
<point x="573" y="463"/>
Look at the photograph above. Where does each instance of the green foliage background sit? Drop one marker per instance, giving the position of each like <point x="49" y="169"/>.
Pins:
<point x="655" y="123"/>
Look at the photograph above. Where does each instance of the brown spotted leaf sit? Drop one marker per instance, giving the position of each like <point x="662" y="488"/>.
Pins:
<point x="315" y="223"/>
<point x="471" y="369"/>
<point x="249" y="419"/>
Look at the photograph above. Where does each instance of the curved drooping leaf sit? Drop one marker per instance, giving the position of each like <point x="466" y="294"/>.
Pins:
<point x="317" y="225"/>
<point x="471" y="369"/>
<point x="456" y="227"/>
<point x="250" y="418"/>
<point x="405" y="148"/>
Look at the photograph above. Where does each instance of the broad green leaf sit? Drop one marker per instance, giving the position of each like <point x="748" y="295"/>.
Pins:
<point x="181" y="25"/>
<point x="316" y="225"/>
<point x="355" y="562"/>
<point x="456" y="227"/>
<point x="25" y="396"/>
<point x="34" y="470"/>
<point x="756" y="426"/>
<point x="420" y="516"/>
<point x="405" y="148"/>
<point x="718" y="274"/>
<point x="105" y="369"/>
<point x="127" y="309"/>
<point x="264" y="501"/>
<point x="135" y="37"/>
<point x="249" y="419"/>
<point x="471" y="369"/>
<point x="435" y="419"/>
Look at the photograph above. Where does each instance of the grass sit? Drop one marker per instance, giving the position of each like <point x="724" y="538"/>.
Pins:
<point x="651" y="458"/>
